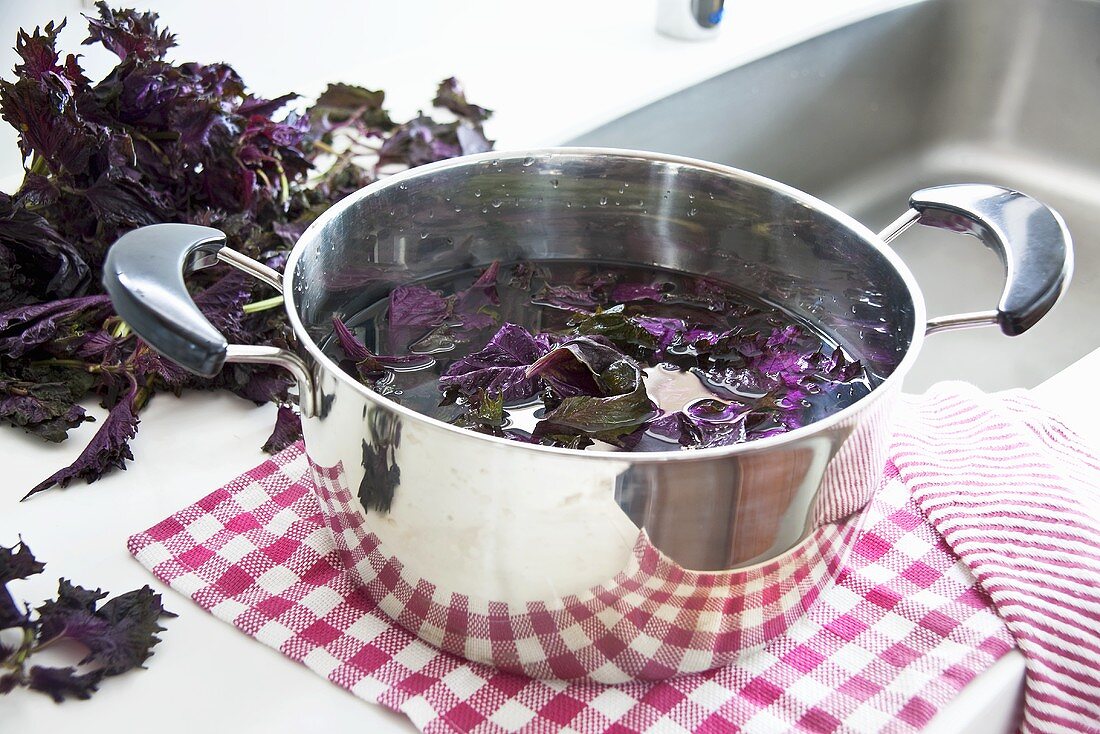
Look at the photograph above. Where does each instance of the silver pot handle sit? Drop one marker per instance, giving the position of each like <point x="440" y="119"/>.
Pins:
<point x="143" y="275"/>
<point x="1030" y="238"/>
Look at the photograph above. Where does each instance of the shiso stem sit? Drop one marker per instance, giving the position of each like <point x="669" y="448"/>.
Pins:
<point x="264" y="305"/>
<point x="121" y="330"/>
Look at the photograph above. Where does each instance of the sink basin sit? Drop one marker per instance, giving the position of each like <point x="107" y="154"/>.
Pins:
<point x="944" y="91"/>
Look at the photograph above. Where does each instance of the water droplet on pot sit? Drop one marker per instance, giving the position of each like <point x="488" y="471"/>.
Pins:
<point x="603" y="201"/>
<point x="528" y="161"/>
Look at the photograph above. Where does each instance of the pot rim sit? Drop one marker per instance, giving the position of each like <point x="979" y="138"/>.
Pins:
<point x="758" y="445"/>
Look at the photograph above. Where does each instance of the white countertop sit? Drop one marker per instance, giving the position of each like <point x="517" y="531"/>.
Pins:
<point x="551" y="70"/>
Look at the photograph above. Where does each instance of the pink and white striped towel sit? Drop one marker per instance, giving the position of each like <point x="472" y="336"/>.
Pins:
<point x="905" y="626"/>
<point x="1016" y="495"/>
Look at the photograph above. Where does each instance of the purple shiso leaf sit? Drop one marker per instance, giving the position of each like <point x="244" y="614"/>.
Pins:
<point x="108" y="449"/>
<point x="608" y="418"/>
<point x="566" y="373"/>
<point x="371" y="366"/>
<point x="288" y="429"/>
<point x="353" y="349"/>
<point x="129" y="34"/>
<point x="700" y="335"/>
<point x="841" y="369"/>
<point x="702" y="434"/>
<point x="788" y="366"/>
<point x="45" y="410"/>
<point x="38" y="258"/>
<point x="548" y="341"/>
<point x="665" y="329"/>
<point x="118" y="636"/>
<point x="471" y="304"/>
<point x="97" y="345"/>
<point x="61" y="684"/>
<point x="223" y="303"/>
<point x="520" y="436"/>
<point x="148" y="364"/>
<point x="260" y="385"/>
<point x="488" y="278"/>
<point x="415" y="305"/>
<point x="560" y="436"/>
<point x="26" y="327"/>
<point x="583" y="366"/>
<point x="788" y="335"/>
<point x="629" y="292"/>
<point x="601" y="390"/>
<point x="472" y="140"/>
<point x="709" y="410"/>
<point x="500" y="368"/>
<point x="451" y="96"/>
<point x="615" y="325"/>
<point x="667" y="425"/>
<point x="723" y="381"/>
<point x="567" y="298"/>
<point x="704" y="424"/>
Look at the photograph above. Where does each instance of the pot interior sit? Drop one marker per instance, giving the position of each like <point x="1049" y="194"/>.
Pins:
<point x="771" y="242"/>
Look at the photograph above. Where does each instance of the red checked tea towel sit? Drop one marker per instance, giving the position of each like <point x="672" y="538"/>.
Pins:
<point x="905" y="626"/>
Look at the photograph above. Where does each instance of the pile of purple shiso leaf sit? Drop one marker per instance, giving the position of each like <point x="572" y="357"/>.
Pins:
<point x="157" y="141"/>
<point x="115" y="636"/>
<point x="760" y="365"/>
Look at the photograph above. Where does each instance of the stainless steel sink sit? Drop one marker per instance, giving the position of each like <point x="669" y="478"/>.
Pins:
<point x="944" y="91"/>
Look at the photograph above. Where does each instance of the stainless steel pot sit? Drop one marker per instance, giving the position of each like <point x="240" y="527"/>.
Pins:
<point x="564" y="563"/>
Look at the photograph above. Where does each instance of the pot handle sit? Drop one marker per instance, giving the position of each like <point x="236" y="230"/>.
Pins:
<point x="1030" y="238"/>
<point x="143" y="275"/>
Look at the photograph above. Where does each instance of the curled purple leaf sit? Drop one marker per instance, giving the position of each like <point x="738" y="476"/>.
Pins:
<point x="501" y="368"/>
<point x="287" y="430"/>
<point x="369" y="365"/>
<point x="353" y="349"/>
